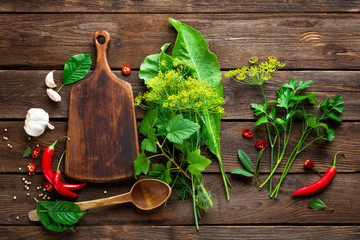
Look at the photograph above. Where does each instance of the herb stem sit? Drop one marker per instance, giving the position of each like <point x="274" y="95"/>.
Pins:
<point x="194" y="203"/>
<point x="60" y="88"/>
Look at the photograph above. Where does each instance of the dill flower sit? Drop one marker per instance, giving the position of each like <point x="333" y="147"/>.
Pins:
<point x="256" y="75"/>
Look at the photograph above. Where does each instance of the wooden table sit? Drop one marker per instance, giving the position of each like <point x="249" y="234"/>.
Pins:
<point x="318" y="40"/>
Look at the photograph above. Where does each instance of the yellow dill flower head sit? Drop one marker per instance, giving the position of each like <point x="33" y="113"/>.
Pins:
<point x="253" y="60"/>
<point x="138" y="99"/>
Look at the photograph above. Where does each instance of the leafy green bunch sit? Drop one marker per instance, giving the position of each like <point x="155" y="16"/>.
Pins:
<point x="279" y="118"/>
<point x="184" y="101"/>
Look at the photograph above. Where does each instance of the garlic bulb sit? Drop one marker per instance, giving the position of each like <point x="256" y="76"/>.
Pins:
<point x="53" y="95"/>
<point x="49" y="79"/>
<point x="36" y="121"/>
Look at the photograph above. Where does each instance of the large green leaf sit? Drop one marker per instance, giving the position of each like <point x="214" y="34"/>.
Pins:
<point x="161" y="172"/>
<point x="47" y="221"/>
<point x="179" y="129"/>
<point x="245" y="160"/>
<point x="243" y="172"/>
<point x="191" y="46"/>
<point x="197" y="163"/>
<point x="76" y="68"/>
<point x="141" y="164"/>
<point x="64" y="212"/>
<point x="151" y="65"/>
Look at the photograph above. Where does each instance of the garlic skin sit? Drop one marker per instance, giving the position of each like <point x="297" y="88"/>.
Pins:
<point x="36" y="121"/>
<point x="53" y="95"/>
<point x="49" y="80"/>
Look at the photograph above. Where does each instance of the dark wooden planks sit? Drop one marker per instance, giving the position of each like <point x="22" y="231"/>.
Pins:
<point x="184" y="6"/>
<point x="231" y="140"/>
<point x="24" y="89"/>
<point x="186" y="232"/>
<point x="304" y="41"/>
<point x="247" y="205"/>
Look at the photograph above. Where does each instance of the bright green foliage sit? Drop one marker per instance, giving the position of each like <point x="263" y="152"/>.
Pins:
<point x="197" y="163"/>
<point x="179" y="129"/>
<point x="245" y="160"/>
<point x="141" y="164"/>
<point x="243" y="172"/>
<point x="76" y="68"/>
<point x="160" y="172"/>
<point x="27" y="152"/>
<point x="316" y="203"/>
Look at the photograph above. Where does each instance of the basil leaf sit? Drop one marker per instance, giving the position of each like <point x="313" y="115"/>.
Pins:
<point x="243" y="172"/>
<point x="316" y="203"/>
<point x="197" y="163"/>
<point x="48" y="222"/>
<point x="180" y="129"/>
<point x="64" y="212"/>
<point x="141" y="164"/>
<point x="76" y="68"/>
<point x="245" y="160"/>
<point x="160" y="172"/>
<point x="27" y="152"/>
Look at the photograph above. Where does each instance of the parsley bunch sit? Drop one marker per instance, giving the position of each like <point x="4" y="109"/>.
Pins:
<point x="279" y="119"/>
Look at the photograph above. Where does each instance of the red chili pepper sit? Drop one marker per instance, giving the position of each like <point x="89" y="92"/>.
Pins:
<point x="247" y="133"/>
<point x="31" y="167"/>
<point x="126" y="69"/>
<point x="35" y="153"/>
<point x="321" y="183"/>
<point x="47" y="169"/>
<point x="48" y="186"/>
<point x="261" y="145"/>
<point x="59" y="186"/>
<point x="311" y="165"/>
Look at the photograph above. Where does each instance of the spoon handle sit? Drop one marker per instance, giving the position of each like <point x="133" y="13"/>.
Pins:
<point x="122" y="198"/>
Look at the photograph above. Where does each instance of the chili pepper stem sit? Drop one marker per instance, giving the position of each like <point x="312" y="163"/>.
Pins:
<point x="318" y="173"/>
<point x="52" y="146"/>
<point x="58" y="166"/>
<point x="336" y="156"/>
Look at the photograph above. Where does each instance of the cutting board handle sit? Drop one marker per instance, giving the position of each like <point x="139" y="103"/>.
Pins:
<point x="102" y="40"/>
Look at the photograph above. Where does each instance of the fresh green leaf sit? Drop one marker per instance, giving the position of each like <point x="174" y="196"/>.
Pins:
<point x="160" y="172"/>
<point x="76" y="68"/>
<point x="259" y="109"/>
<point x="284" y="100"/>
<point x="242" y="172"/>
<point x="258" y="162"/>
<point x="340" y="108"/>
<point x="148" y="145"/>
<point x="261" y="120"/>
<point x="27" y="152"/>
<point x="334" y="116"/>
<point x="329" y="134"/>
<point x="291" y="85"/>
<point x="64" y="212"/>
<point x="316" y="203"/>
<point x="191" y="46"/>
<point x="180" y="129"/>
<point x="168" y="164"/>
<point x="148" y="121"/>
<point x="302" y="97"/>
<point x="280" y="121"/>
<point x="272" y="113"/>
<point x="197" y="163"/>
<point x="245" y="160"/>
<point x="304" y="85"/>
<point x="151" y="65"/>
<point x="338" y="100"/>
<point x="141" y="164"/>
<point x="47" y="221"/>
<point x="312" y="122"/>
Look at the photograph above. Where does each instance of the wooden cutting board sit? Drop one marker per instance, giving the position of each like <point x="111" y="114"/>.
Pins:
<point x="102" y="126"/>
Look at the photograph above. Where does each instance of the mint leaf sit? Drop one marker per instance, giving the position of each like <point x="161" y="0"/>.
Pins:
<point x="180" y="129"/>
<point x="160" y="172"/>
<point x="148" y="121"/>
<point x="197" y="163"/>
<point x="76" y="68"/>
<point x="261" y="120"/>
<point x="316" y="203"/>
<point x="141" y="164"/>
<point x="27" y="152"/>
<point x="242" y="172"/>
<point x="245" y="160"/>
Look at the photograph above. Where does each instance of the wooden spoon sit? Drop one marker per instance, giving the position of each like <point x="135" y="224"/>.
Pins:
<point x="145" y="194"/>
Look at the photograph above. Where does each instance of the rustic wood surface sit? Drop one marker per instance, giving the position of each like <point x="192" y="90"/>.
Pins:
<point x="318" y="40"/>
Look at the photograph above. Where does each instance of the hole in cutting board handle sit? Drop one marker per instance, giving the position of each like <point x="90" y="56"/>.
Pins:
<point x="100" y="39"/>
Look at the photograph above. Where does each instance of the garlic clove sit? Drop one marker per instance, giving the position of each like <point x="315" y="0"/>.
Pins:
<point x="53" y="95"/>
<point x="49" y="79"/>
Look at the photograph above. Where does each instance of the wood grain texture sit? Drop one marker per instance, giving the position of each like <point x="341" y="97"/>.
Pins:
<point x="14" y="85"/>
<point x="304" y="41"/>
<point x="247" y="205"/>
<point x="186" y="232"/>
<point x="231" y="140"/>
<point x="183" y="6"/>
<point x="102" y="124"/>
